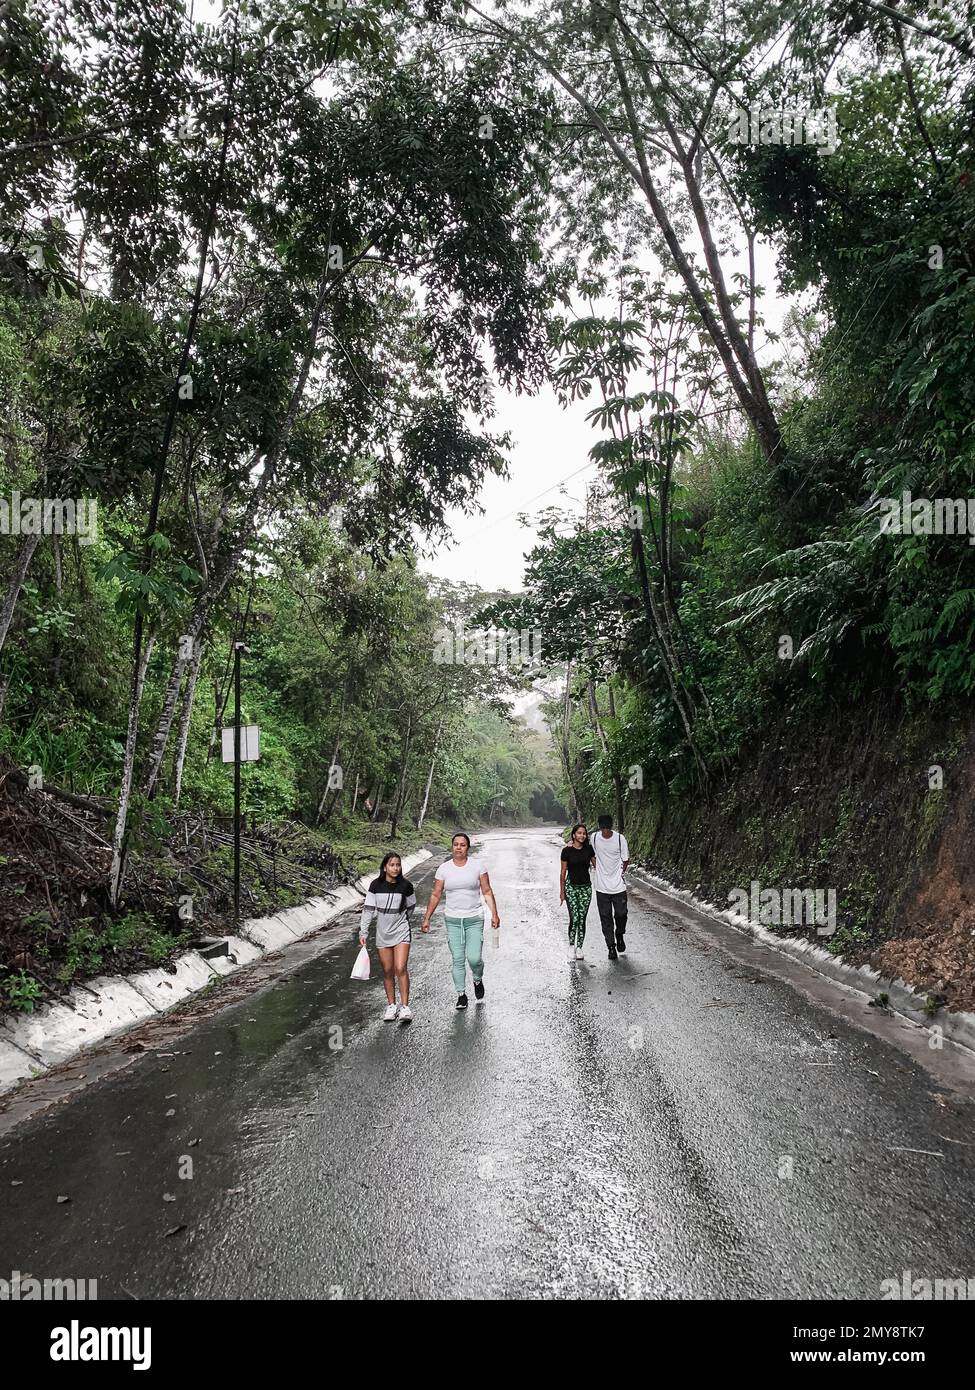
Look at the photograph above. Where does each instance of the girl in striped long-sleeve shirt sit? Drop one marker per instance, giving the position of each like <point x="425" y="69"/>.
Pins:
<point x="391" y="900"/>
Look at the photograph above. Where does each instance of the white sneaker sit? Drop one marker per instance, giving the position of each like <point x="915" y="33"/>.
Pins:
<point x="580" y="954"/>
<point x="405" y="1013"/>
<point x="572" y="953"/>
<point x="390" y="1015"/>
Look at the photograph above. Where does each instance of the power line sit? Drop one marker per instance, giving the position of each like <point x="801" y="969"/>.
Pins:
<point x="498" y="520"/>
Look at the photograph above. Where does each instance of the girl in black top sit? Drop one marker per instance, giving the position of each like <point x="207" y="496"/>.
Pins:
<point x="577" y="857"/>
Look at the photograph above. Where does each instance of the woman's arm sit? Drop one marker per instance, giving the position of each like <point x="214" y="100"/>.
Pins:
<point x="562" y="882"/>
<point x="365" y="921"/>
<point x="488" y="892"/>
<point x="435" y="897"/>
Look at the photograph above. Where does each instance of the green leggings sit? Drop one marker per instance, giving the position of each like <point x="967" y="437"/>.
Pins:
<point x="578" y="896"/>
<point x="465" y="937"/>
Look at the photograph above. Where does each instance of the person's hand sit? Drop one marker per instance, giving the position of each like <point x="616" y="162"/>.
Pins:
<point x="495" y="921"/>
<point x="561" y="899"/>
<point x="426" y="925"/>
<point x="362" y="940"/>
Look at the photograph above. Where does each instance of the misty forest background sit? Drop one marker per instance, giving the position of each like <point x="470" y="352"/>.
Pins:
<point x="261" y="273"/>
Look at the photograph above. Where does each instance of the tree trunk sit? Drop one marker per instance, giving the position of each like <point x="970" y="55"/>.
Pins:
<point x="335" y="749"/>
<point x="377" y="803"/>
<point x="433" y="763"/>
<point x="128" y="770"/>
<point x="657" y="616"/>
<point x="337" y="791"/>
<point x="564" y="747"/>
<point x="398" y="806"/>
<point x="617" y="780"/>
<point x="21" y="567"/>
<point x="206" y="602"/>
<point x="59" y="588"/>
<point x="665" y="651"/>
<point x="603" y="743"/>
<point x="215" y="734"/>
<point x="740" y="364"/>
<point x="183" y="733"/>
<point x="594" y="716"/>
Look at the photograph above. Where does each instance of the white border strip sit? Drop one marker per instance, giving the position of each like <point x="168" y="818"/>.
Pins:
<point x="959" y="1027"/>
<point x="91" y="1013"/>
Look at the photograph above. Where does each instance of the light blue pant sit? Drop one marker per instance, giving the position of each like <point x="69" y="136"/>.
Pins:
<point x="465" y="937"/>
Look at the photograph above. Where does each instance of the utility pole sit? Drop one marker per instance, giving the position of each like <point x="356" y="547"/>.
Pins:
<point x="238" y="648"/>
<point x="239" y="746"/>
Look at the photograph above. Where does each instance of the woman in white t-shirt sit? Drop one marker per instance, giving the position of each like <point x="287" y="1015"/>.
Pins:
<point x="464" y="879"/>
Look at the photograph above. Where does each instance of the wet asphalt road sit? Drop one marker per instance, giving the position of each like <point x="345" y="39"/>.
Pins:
<point x="592" y="1130"/>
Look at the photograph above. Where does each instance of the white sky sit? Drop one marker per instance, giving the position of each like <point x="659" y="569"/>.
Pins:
<point x="549" y="444"/>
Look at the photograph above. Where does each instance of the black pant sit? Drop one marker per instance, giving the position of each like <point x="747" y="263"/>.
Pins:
<point x="612" y="905"/>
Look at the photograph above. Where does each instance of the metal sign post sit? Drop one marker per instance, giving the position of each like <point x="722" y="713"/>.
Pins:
<point x="239" y="745"/>
<point x="237" y="648"/>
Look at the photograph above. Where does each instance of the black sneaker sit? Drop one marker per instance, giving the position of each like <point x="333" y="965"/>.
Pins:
<point x="620" y="944"/>
<point x="478" y="989"/>
<point x="612" y="953"/>
<point x="461" y="1001"/>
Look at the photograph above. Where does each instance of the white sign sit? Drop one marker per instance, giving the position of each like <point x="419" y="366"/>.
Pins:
<point x="250" y="743"/>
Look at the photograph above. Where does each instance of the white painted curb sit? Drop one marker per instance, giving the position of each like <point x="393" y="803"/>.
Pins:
<point x="29" y="1045"/>
<point x="903" y="998"/>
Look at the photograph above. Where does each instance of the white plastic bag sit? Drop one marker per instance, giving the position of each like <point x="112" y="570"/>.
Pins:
<point x="360" y="971"/>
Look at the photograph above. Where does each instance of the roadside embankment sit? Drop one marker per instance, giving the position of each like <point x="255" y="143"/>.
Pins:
<point x="874" y="804"/>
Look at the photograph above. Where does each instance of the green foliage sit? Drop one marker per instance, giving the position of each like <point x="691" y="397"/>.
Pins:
<point x="875" y="400"/>
<point x="113" y="945"/>
<point x="21" y="991"/>
<point x="370" y="266"/>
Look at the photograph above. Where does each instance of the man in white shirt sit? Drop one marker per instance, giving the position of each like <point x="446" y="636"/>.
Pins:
<point x="612" y="861"/>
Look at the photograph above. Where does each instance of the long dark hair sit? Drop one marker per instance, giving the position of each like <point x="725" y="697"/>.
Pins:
<point x="399" y="885"/>
<point x="393" y="854"/>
